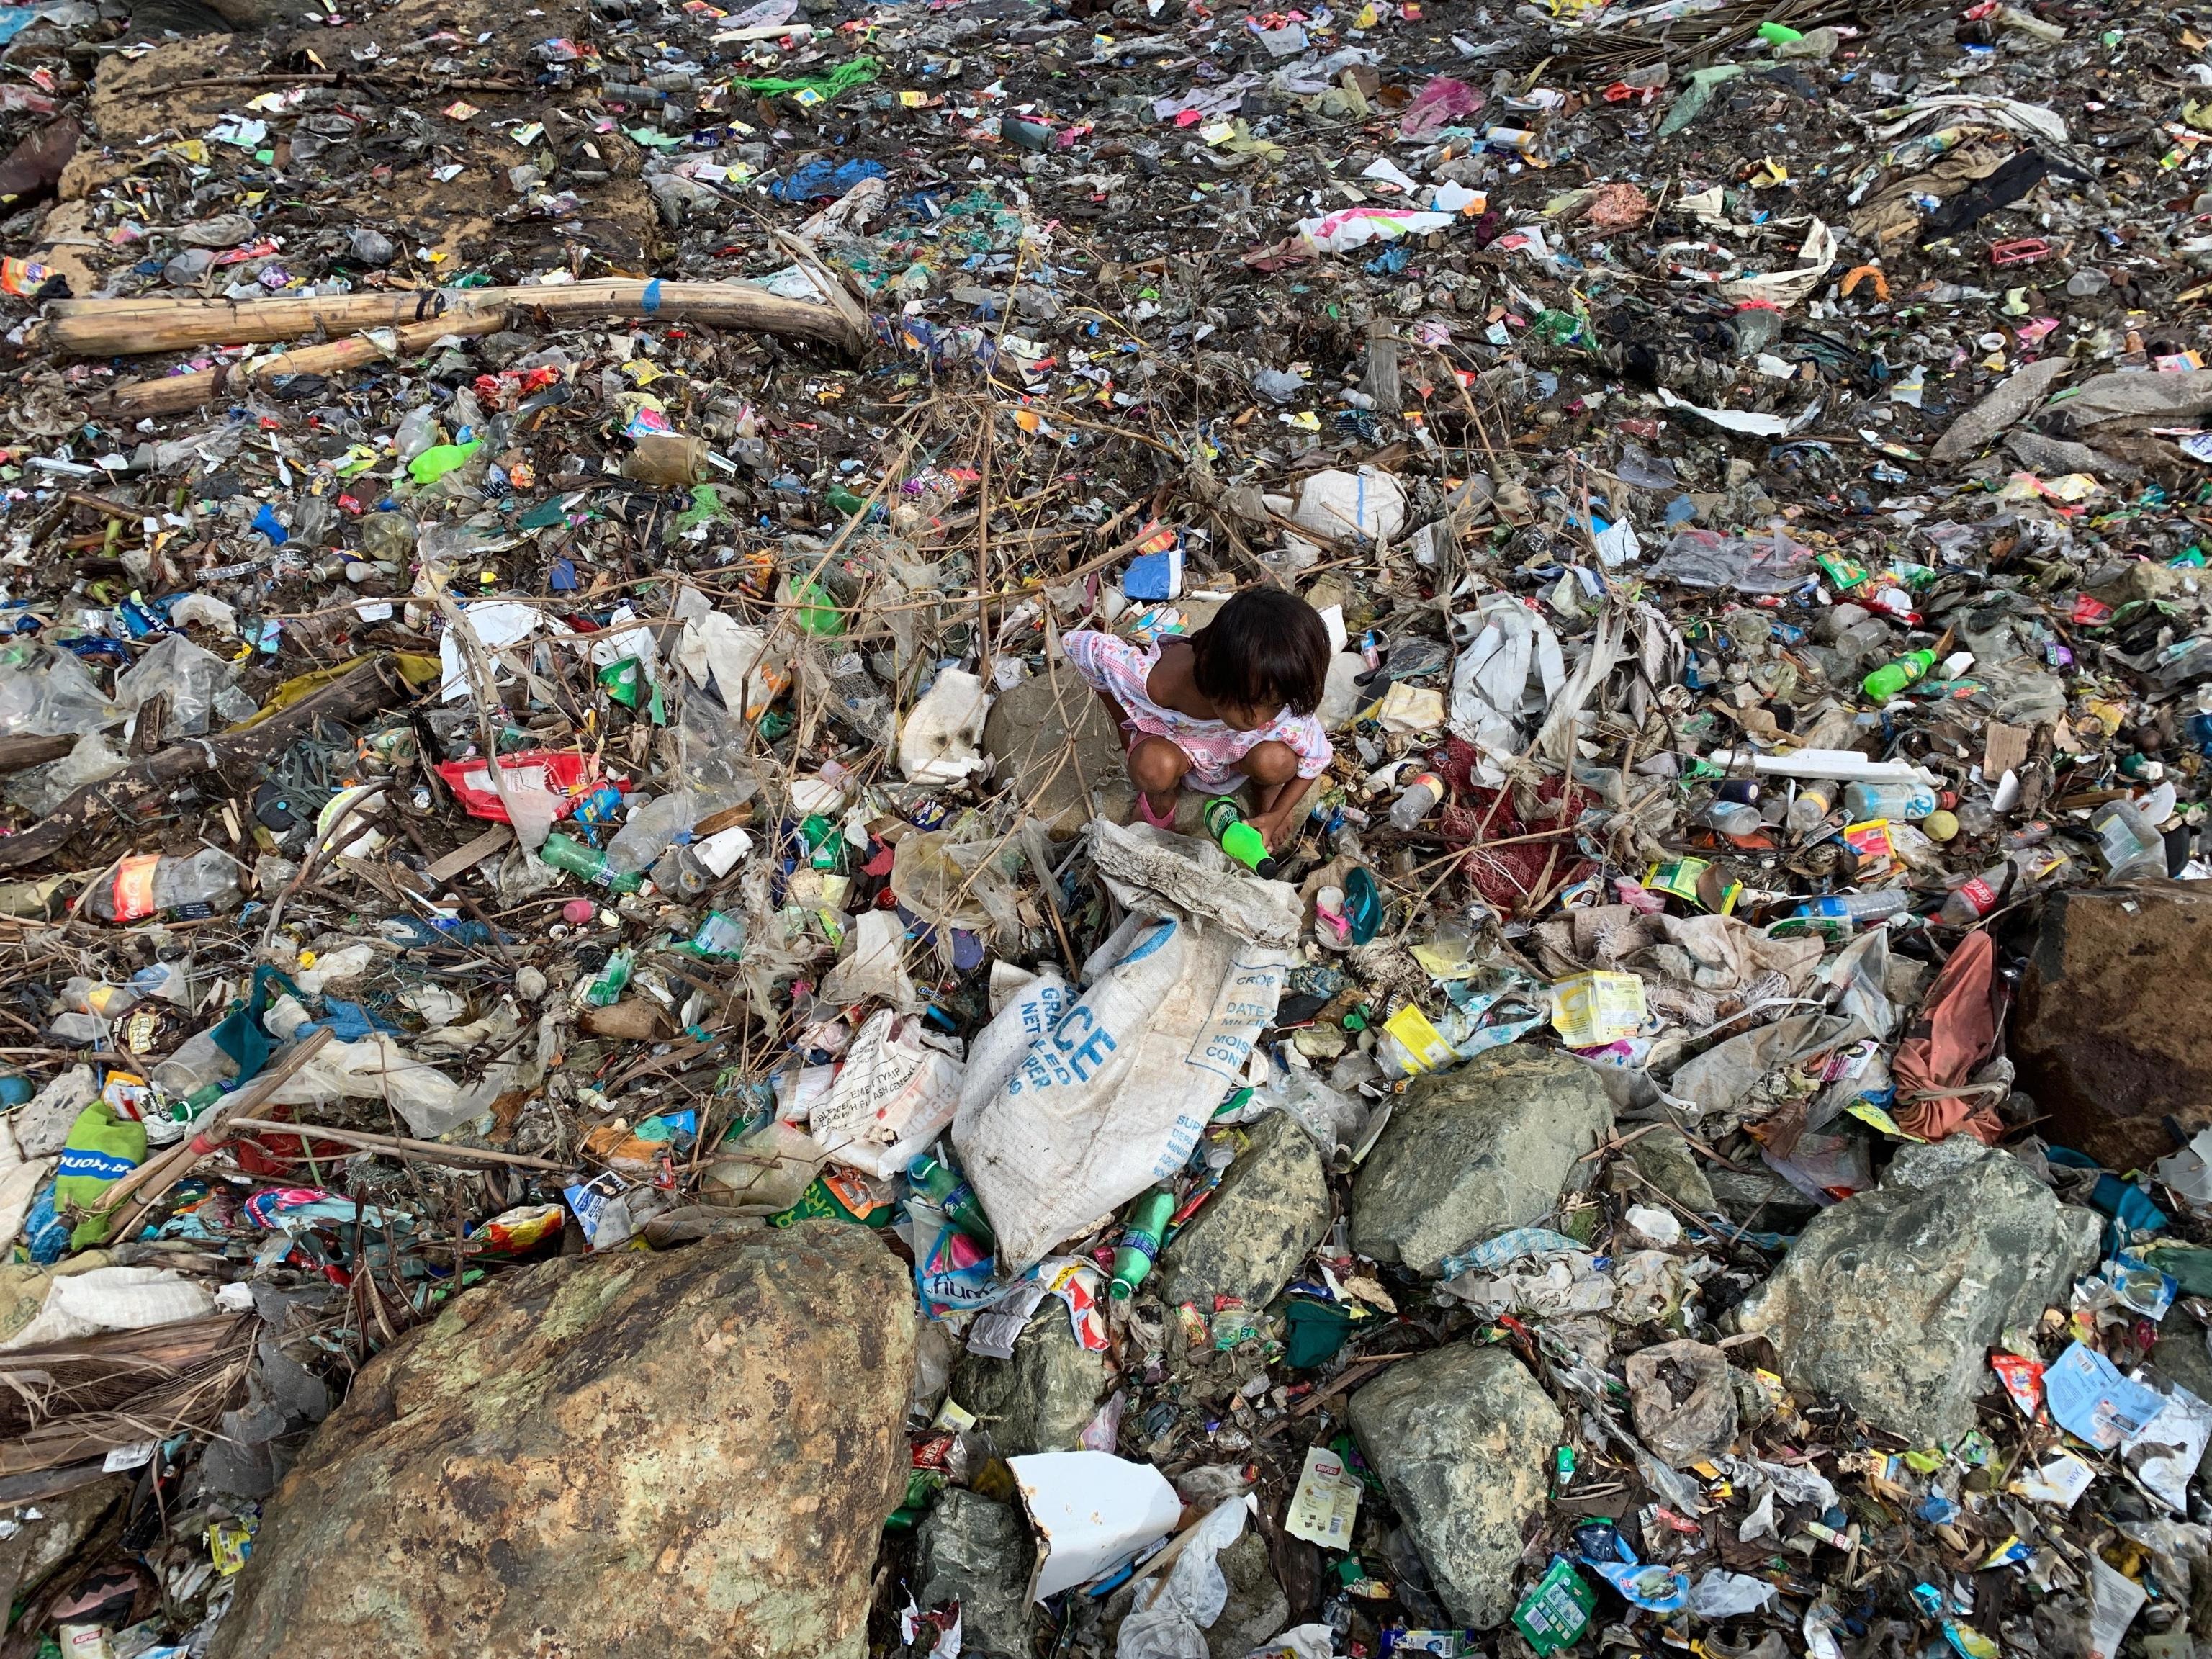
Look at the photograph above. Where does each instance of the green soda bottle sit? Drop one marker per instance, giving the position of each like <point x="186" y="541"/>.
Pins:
<point x="1142" y="1231"/>
<point x="1225" y="821"/>
<point x="945" y="1188"/>
<point x="588" y="864"/>
<point x="1886" y="681"/>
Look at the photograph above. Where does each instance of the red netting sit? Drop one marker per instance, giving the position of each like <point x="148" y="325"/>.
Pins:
<point x="1509" y="877"/>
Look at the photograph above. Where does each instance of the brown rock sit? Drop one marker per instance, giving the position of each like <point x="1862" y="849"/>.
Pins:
<point x="634" y="1019"/>
<point x="2109" y="1032"/>
<point x="624" y="1455"/>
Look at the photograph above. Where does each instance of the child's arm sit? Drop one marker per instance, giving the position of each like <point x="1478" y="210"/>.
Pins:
<point x="1282" y="805"/>
<point x="1279" y="812"/>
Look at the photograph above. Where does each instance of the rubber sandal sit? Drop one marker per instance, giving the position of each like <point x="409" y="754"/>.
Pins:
<point x="1145" y="811"/>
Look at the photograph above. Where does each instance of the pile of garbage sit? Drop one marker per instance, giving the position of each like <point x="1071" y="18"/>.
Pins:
<point x="601" y="1055"/>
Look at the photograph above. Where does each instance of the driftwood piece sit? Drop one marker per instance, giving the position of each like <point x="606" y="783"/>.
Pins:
<point x="113" y="328"/>
<point x="16" y="753"/>
<point x="170" y="394"/>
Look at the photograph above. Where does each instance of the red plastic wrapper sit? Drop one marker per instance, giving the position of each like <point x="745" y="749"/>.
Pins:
<point x="933" y="1452"/>
<point x="511" y="1232"/>
<point x="2023" y="1381"/>
<point x="568" y="776"/>
<point x="1510" y="877"/>
<point x="274" y="1157"/>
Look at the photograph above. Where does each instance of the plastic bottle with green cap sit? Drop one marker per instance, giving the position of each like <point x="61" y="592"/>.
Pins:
<point x="1142" y="1231"/>
<point x="1888" y="680"/>
<point x="1779" y="34"/>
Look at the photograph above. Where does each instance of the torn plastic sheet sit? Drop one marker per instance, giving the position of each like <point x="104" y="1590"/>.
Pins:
<point x="2028" y="120"/>
<point x="1774" y="563"/>
<point x="1173" y="1610"/>
<point x="1495" y="702"/>
<point x="1356" y="227"/>
<point x="2162" y="1455"/>
<point x="1785" y="288"/>
<point x="1204" y="103"/>
<point x="1748" y="422"/>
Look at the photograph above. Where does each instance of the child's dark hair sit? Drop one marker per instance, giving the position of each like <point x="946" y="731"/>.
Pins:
<point x="1266" y="648"/>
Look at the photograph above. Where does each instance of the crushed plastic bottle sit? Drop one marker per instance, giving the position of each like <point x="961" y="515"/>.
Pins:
<point x="204" y="884"/>
<point x="2128" y="836"/>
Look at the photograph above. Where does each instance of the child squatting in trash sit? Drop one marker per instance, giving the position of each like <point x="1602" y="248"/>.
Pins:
<point x="1232" y="704"/>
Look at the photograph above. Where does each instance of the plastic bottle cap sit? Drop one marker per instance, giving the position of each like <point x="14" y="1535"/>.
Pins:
<point x="578" y="911"/>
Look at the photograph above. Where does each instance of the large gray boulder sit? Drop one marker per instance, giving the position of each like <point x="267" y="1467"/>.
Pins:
<point x="1890" y="1300"/>
<point x="1461" y="1438"/>
<point x="1053" y="740"/>
<point x="1472" y="1152"/>
<point x="1041" y="1399"/>
<point x="1662" y="1156"/>
<point x="1253" y="1235"/>
<point x="977" y="1552"/>
<point x="45" y="1536"/>
<point x="1256" y="1610"/>
<point x="631" y="1455"/>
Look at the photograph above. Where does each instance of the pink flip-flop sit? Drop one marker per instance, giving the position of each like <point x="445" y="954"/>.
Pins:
<point x="1145" y="811"/>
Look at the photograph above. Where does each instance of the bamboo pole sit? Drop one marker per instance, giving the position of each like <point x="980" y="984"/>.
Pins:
<point x="113" y="328"/>
<point x="170" y="394"/>
<point x="434" y="1152"/>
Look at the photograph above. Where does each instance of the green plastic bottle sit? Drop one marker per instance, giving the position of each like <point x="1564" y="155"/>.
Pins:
<point x="605" y="989"/>
<point x="1225" y="821"/>
<point x="588" y="863"/>
<point x="434" y="463"/>
<point x="1142" y="1231"/>
<point x="1887" y="681"/>
<point x="945" y="1188"/>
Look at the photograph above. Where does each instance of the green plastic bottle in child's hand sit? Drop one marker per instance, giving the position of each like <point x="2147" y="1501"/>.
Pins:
<point x="1225" y="821"/>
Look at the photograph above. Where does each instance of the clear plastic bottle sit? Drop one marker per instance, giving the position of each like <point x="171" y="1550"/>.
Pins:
<point x="650" y="829"/>
<point x="1816" y="798"/>
<point x="1419" y="799"/>
<point x="417" y="432"/>
<point x="1906" y="801"/>
<point x="1860" y="909"/>
<point x="1733" y="817"/>
<point x="148" y="885"/>
<point x="198" y="1064"/>
<point x="387" y="536"/>
<point x="2128" y="837"/>
<point x="678" y="873"/>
